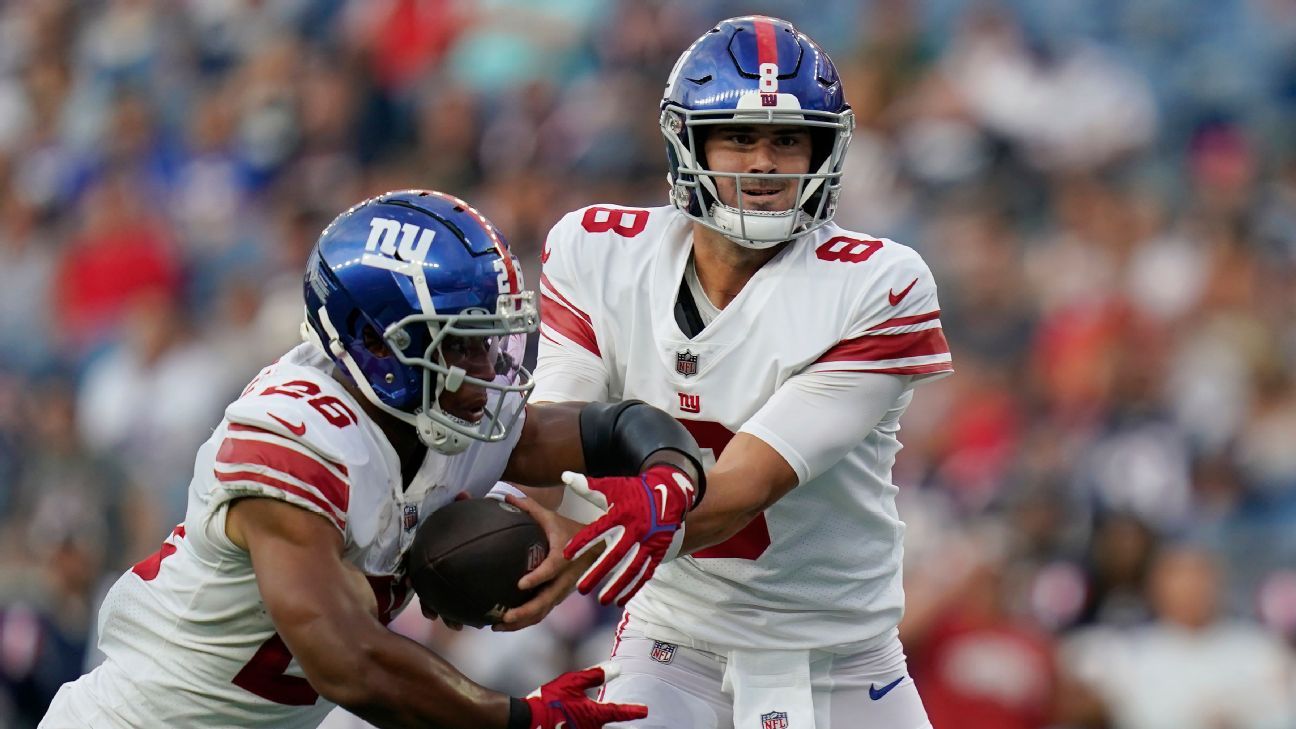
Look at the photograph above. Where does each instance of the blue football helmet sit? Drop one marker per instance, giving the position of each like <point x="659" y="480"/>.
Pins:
<point x="755" y="70"/>
<point x="431" y="278"/>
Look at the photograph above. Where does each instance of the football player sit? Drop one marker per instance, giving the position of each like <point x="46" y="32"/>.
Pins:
<point x="267" y="606"/>
<point x="790" y="348"/>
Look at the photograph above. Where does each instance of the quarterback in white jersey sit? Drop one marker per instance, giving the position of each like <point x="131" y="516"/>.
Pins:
<point x="790" y="348"/>
<point x="267" y="606"/>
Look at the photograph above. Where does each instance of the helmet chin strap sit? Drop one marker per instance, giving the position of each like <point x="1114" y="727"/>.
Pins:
<point x="763" y="229"/>
<point x="433" y="434"/>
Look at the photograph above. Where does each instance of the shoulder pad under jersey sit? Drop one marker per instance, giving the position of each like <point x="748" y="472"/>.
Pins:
<point x="308" y="407"/>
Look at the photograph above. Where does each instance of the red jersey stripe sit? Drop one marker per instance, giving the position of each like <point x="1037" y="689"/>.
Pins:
<point x="875" y="347"/>
<point x="304" y="468"/>
<point x="925" y="369"/>
<point x="241" y="428"/>
<point x="904" y="321"/>
<point x="766" y="43"/>
<point x="749" y="543"/>
<point x="544" y="281"/>
<point x="285" y="487"/>
<point x="568" y="324"/>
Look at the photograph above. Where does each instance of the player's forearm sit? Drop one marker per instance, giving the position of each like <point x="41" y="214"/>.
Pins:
<point x="701" y="531"/>
<point x="393" y="682"/>
<point x="727" y="508"/>
<point x="748" y="479"/>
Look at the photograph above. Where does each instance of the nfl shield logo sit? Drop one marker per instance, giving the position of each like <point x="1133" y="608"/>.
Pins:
<point x="686" y="363"/>
<point x="410" y="518"/>
<point x="535" y="555"/>
<point x="774" y="720"/>
<point x="662" y="652"/>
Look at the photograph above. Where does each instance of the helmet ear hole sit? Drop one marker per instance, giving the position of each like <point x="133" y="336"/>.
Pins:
<point x="374" y="343"/>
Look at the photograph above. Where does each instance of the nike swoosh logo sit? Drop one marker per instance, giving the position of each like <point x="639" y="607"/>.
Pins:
<point x="665" y="494"/>
<point x="876" y="693"/>
<point x="897" y="298"/>
<point x="299" y="429"/>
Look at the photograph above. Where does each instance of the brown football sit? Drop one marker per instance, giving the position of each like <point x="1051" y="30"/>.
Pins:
<point x="467" y="557"/>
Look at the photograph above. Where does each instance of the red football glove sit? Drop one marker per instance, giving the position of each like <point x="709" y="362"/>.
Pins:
<point x="643" y="514"/>
<point x="562" y="703"/>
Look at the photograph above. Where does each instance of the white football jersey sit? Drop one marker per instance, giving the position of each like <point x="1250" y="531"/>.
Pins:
<point x="187" y="638"/>
<point x="821" y="567"/>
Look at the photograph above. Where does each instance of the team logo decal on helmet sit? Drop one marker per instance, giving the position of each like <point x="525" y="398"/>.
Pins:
<point x="755" y="70"/>
<point x="415" y="294"/>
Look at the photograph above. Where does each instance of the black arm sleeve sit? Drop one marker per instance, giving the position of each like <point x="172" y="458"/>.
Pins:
<point x="620" y="439"/>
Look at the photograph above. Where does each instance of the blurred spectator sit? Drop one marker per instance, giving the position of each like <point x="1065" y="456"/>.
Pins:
<point x="27" y="262"/>
<point x="120" y="252"/>
<point x="1118" y="561"/>
<point x="152" y="400"/>
<point x="979" y="663"/>
<point x="508" y="43"/>
<point x="1068" y="104"/>
<point x="59" y="473"/>
<point x="1192" y="667"/>
<point x="404" y="39"/>
<point x="43" y="634"/>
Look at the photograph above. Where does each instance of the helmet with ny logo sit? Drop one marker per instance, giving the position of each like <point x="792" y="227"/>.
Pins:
<point x="755" y="70"/>
<point x="415" y="294"/>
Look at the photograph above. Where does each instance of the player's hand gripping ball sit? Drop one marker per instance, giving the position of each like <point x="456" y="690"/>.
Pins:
<point x="468" y="556"/>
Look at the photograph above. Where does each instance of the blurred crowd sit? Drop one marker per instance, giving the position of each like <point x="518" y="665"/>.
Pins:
<point x="1101" y="504"/>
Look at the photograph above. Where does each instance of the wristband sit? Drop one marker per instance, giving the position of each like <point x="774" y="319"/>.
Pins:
<point x="519" y="714"/>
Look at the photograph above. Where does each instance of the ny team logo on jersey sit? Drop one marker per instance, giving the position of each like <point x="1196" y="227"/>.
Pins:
<point x="397" y="247"/>
<point x="690" y="403"/>
<point x="409" y="519"/>
<point x="662" y="652"/>
<point x="774" y="720"/>
<point x="686" y="363"/>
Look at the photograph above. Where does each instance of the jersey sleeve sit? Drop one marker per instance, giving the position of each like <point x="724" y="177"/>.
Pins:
<point x="570" y="365"/>
<point x="814" y="419"/>
<point x="894" y="327"/>
<point x="281" y="448"/>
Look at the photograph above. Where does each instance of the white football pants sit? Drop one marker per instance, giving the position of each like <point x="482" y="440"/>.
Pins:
<point x="684" y="688"/>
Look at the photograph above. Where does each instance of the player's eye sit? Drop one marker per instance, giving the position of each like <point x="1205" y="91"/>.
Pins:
<point x="741" y="139"/>
<point x="462" y="347"/>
